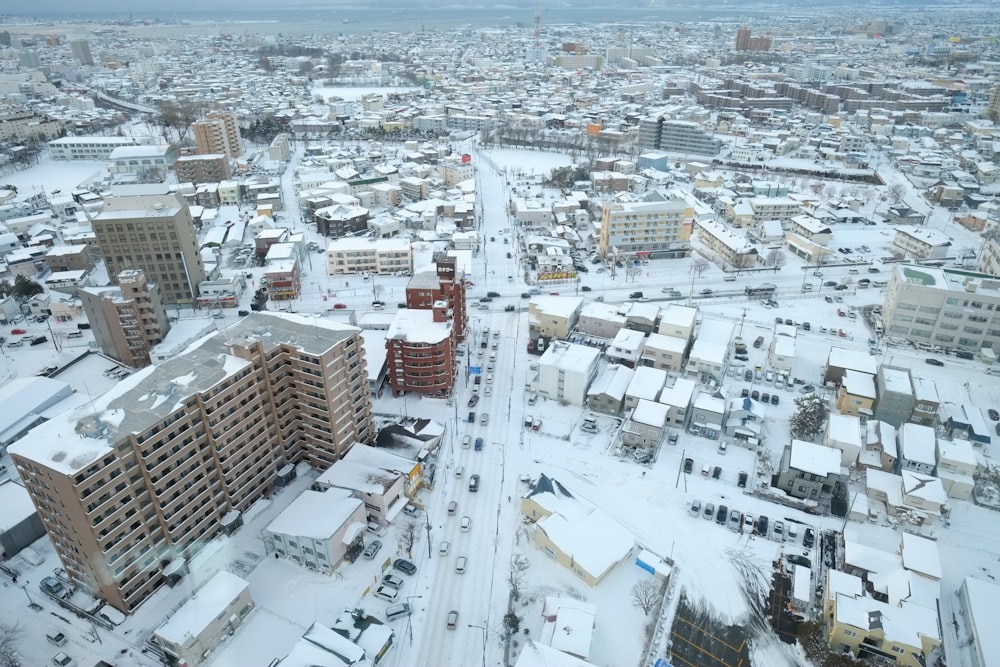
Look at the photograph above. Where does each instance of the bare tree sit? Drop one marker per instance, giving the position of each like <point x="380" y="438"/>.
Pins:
<point x="776" y="258"/>
<point x="645" y="595"/>
<point x="897" y="191"/>
<point x="518" y="565"/>
<point x="10" y="637"/>
<point x="699" y="266"/>
<point x="408" y="536"/>
<point x="179" y="114"/>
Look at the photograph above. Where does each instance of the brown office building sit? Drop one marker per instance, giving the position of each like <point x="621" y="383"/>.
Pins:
<point x="218" y="133"/>
<point x="127" y="320"/>
<point x="422" y="340"/>
<point x="132" y="485"/>
<point x="154" y="233"/>
<point x="210" y="168"/>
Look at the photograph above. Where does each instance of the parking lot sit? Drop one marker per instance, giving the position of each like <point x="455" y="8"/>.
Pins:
<point x="699" y="640"/>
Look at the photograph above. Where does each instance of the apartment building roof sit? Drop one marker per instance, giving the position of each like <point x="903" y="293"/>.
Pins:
<point x="197" y="613"/>
<point x="413" y="325"/>
<point x="316" y="515"/>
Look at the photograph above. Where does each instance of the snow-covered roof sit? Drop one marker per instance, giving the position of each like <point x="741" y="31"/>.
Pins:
<point x="840" y="357"/>
<point x="708" y="402"/>
<point x="613" y="382"/>
<point x="857" y="383"/>
<point x="666" y="343"/>
<point x="557" y="306"/>
<point x="534" y="654"/>
<point x="415" y="325"/>
<point x="595" y="540"/>
<point x="918" y="443"/>
<point x="925" y="389"/>
<point x="921" y="555"/>
<point x="23" y="398"/>
<point x="982" y="606"/>
<point x="956" y="451"/>
<point x="197" y="613"/>
<point x="571" y="628"/>
<point x="845" y="429"/>
<point x="569" y="356"/>
<point x="883" y="433"/>
<point x="681" y="316"/>
<point x="925" y="487"/>
<point x="15" y="505"/>
<point x="896" y="380"/>
<point x="334" y="642"/>
<point x="650" y="412"/>
<point x="814" y="459"/>
<point x="647" y="382"/>
<point x="905" y="624"/>
<point x="316" y="515"/>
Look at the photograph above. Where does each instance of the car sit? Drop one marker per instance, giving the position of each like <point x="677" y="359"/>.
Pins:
<point x="765" y="397"/>
<point x="828" y="298"/>
<point x="741" y="357"/>
<point x="788" y="322"/>
<point x="778" y="532"/>
<point x="795" y="559"/>
<point x="410" y="509"/>
<point x="56" y="637"/>
<point x="479" y="445"/>
<point x="38" y="340"/>
<point x="484" y="419"/>
<point x="830" y="283"/>
<point x="472" y="417"/>
<point x="807" y="389"/>
<point x="392" y="581"/>
<point x="688" y="465"/>
<point x="716" y="472"/>
<point x="62" y="660"/>
<point x="774" y="399"/>
<point x="53" y="586"/>
<point x="695" y="508"/>
<point x="722" y="447"/>
<point x="386" y="593"/>
<point x="934" y="362"/>
<point x="474" y="483"/>
<point x="18" y="332"/>
<point x="585" y="288"/>
<point x="16" y="343"/>
<point x="706" y="292"/>
<point x="993" y="414"/>
<point x="398" y="610"/>
<point x="452" y="619"/>
<point x="404" y="566"/>
<point x="672" y="439"/>
<point x="809" y="538"/>
<point x="873" y="269"/>
<point x="460" y="564"/>
<point x="755" y="395"/>
<point x="493" y="295"/>
<point x="721" y="515"/>
<point x="635" y="295"/>
<point x="806" y="326"/>
<point x="758" y="342"/>
<point x="485" y="299"/>
<point x="709" y="512"/>
<point x="372" y="549"/>
<point x="748" y="375"/>
<point x="840" y="288"/>
<point x="466" y="524"/>
<point x="761" y="527"/>
<point x="473" y="400"/>
<point x="340" y="306"/>
<point x="742" y="483"/>
<point x="735" y="520"/>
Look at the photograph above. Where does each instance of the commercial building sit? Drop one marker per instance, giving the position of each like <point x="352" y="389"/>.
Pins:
<point x="128" y="320"/>
<point x="134" y="483"/>
<point x="143" y="163"/>
<point x="676" y="136"/>
<point x="946" y="307"/>
<point x="87" y="148"/>
<point x="154" y="233"/>
<point x="656" y="226"/>
<point x="218" y="133"/>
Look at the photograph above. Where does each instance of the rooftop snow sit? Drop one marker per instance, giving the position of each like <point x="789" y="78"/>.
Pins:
<point x="570" y="356"/>
<point x="982" y="604"/>
<point x="316" y="515"/>
<point x="918" y="443"/>
<point x="614" y="382"/>
<point x="814" y="459"/>
<point x="557" y="306"/>
<point x="843" y="358"/>
<point x="647" y="382"/>
<point x="679" y="395"/>
<point x="845" y="429"/>
<point x="650" y="412"/>
<point x="15" y="505"/>
<point x="413" y="325"/>
<point x="921" y="555"/>
<point x="197" y="613"/>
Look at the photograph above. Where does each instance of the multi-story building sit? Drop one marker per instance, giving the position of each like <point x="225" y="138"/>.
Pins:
<point x="208" y="168"/>
<point x="566" y="371"/>
<point x="138" y="480"/>
<point x="731" y="247"/>
<point x="154" y="233"/>
<point x="654" y="226"/>
<point x="921" y="242"/>
<point x="145" y="163"/>
<point x="87" y="148"/>
<point x="895" y="401"/>
<point x="947" y="307"/>
<point x="422" y="340"/>
<point x="676" y="136"/>
<point x="774" y="208"/>
<point x="364" y="255"/>
<point x="80" y="49"/>
<point x="218" y="133"/>
<point x="341" y="220"/>
<point x="126" y="320"/>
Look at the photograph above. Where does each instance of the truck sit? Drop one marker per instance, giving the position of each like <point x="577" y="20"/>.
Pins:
<point x="765" y="289"/>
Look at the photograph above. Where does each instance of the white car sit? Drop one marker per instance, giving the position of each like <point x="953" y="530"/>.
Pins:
<point x="386" y="593"/>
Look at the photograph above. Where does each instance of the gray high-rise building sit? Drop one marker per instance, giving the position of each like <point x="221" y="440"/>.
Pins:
<point x="81" y="51"/>
<point x="154" y="233"/>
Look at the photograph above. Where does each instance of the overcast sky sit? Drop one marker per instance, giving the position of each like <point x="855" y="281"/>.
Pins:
<point x="103" y="7"/>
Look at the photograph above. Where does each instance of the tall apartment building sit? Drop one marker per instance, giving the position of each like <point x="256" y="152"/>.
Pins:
<point x="207" y="168"/>
<point x="80" y="49"/>
<point x="947" y="307"/>
<point x="133" y="484"/>
<point x="676" y="136"/>
<point x="654" y="226"/>
<point x="745" y="42"/>
<point x="154" y="233"/>
<point x="218" y="133"/>
<point x="422" y="340"/>
<point x="127" y="320"/>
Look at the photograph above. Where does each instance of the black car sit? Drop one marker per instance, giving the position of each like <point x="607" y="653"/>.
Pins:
<point x="716" y="472"/>
<point x="582" y="268"/>
<point x="38" y="340"/>
<point x="840" y="288"/>
<point x="742" y="483"/>
<point x="774" y="399"/>
<point x="596" y="260"/>
<point x="761" y="527"/>
<point x="742" y="357"/>
<point x="495" y="295"/>
<point x="994" y="415"/>
<point x="635" y="295"/>
<point x="509" y="256"/>
<point x="721" y="515"/>
<point x="806" y="326"/>
<point x="525" y="295"/>
<point x="748" y="375"/>
<point x="404" y="566"/>
<point x="765" y="397"/>
<point x="473" y="400"/>
<point x="795" y="559"/>
<point x="934" y="362"/>
<point x="755" y="395"/>
<point x="809" y="538"/>
<point x="585" y="288"/>
<point x="830" y="283"/>
<point x="688" y="465"/>
<point x="745" y="392"/>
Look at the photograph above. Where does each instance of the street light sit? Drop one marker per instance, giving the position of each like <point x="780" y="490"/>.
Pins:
<point x="409" y="618"/>
<point x="24" y="587"/>
<point x="483" y="628"/>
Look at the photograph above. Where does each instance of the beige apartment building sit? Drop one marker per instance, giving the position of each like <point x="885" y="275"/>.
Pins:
<point x="131" y="485"/>
<point x="127" y="320"/>
<point x="657" y="225"/>
<point x="218" y="133"/>
<point x="362" y="255"/>
<point x="154" y="233"/>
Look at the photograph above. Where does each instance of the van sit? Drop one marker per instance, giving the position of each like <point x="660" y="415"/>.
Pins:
<point x="460" y="564"/>
<point x="398" y="610"/>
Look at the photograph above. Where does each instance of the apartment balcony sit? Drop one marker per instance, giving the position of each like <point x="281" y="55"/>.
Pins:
<point x="118" y="501"/>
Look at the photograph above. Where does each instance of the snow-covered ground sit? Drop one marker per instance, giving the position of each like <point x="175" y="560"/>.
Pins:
<point x="651" y="500"/>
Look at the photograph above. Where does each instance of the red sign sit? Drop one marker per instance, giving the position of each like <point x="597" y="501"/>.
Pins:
<point x="466" y="158"/>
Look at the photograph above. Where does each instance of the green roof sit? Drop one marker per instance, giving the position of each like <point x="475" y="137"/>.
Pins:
<point x="913" y="275"/>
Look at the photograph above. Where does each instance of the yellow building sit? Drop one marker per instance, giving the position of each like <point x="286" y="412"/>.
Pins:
<point x="856" y="394"/>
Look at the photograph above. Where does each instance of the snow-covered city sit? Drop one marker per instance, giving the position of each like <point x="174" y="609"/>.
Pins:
<point x="503" y="340"/>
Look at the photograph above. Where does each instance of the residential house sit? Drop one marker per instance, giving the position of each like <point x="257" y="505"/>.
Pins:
<point x="644" y="427"/>
<point x="917" y="448"/>
<point x="856" y="394"/>
<point x="707" y="415"/>
<point x="956" y="465"/>
<point x="626" y="348"/>
<point x="843" y="433"/>
<point x="744" y="419"/>
<point x="319" y="530"/>
<point x="553" y="316"/>
<point x="926" y="402"/>
<point x="842" y="359"/>
<point x="600" y="319"/>
<point x="678" y="398"/>
<point x="645" y="385"/>
<point x="678" y="321"/>
<point x="808" y="470"/>
<point x="965" y="421"/>
<point x="607" y="394"/>
<point x="664" y="352"/>
<point x="565" y="372"/>
<point x="880" y="450"/>
<point x="895" y="395"/>
<point x="642" y="316"/>
<point x="382" y="480"/>
<point x="781" y="351"/>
